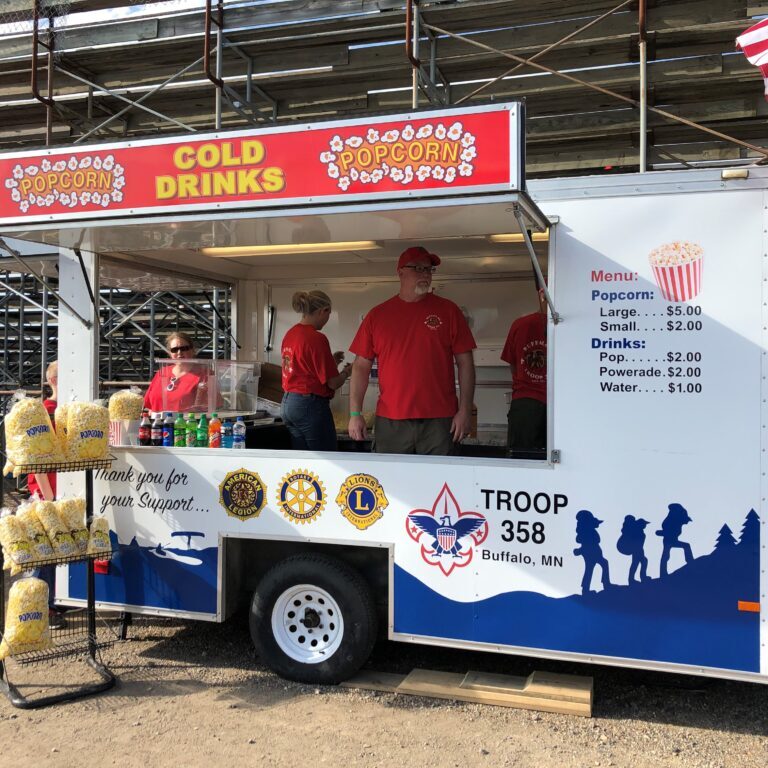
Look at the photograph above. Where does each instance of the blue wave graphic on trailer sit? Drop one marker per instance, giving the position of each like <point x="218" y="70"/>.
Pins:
<point x="154" y="576"/>
<point x="691" y="616"/>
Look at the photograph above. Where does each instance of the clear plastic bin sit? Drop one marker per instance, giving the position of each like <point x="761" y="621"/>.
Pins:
<point x="229" y="387"/>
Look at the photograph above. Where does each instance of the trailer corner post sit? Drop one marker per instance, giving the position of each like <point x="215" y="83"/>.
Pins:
<point x="78" y="345"/>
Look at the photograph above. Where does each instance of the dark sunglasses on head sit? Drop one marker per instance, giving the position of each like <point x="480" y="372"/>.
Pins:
<point x="176" y="350"/>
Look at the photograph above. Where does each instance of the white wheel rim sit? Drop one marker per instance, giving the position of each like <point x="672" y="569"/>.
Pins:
<point x="307" y="624"/>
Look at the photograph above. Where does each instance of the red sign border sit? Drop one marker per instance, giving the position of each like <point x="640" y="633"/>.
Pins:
<point x="515" y="182"/>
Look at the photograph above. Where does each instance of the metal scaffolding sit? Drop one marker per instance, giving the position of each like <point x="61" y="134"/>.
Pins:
<point x="630" y="85"/>
<point x="133" y="327"/>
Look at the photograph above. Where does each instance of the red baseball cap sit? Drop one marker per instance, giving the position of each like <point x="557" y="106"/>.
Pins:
<point x="414" y="253"/>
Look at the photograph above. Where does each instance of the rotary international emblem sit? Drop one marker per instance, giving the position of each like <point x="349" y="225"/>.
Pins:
<point x="242" y="494"/>
<point x="301" y="496"/>
<point x="362" y="500"/>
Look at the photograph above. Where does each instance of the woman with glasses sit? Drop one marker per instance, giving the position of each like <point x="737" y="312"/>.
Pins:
<point x="310" y="375"/>
<point x="181" y="386"/>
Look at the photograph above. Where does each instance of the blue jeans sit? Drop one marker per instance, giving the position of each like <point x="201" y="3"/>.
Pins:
<point x="309" y="421"/>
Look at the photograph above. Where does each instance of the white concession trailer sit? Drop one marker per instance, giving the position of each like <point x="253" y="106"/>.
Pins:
<point x="637" y="541"/>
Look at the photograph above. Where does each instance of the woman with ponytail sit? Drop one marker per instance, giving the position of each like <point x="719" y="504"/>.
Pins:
<point x="310" y="375"/>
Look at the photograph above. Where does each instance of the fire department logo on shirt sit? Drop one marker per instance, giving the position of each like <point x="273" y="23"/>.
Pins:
<point x="301" y="496"/>
<point x="362" y="500"/>
<point x="447" y="535"/>
<point x="242" y="494"/>
<point x="433" y="322"/>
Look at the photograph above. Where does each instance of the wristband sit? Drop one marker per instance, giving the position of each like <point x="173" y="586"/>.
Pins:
<point x="355" y="413"/>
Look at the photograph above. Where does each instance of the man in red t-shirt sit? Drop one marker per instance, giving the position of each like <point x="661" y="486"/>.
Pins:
<point x="526" y="352"/>
<point x="416" y="338"/>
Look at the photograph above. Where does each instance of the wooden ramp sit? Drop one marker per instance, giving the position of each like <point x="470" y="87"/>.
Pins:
<point x="542" y="691"/>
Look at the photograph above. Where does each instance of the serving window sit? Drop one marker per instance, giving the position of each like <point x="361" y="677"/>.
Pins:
<point x="492" y="283"/>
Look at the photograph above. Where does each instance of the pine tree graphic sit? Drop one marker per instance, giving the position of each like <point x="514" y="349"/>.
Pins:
<point x="750" y="531"/>
<point x="725" y="539"/>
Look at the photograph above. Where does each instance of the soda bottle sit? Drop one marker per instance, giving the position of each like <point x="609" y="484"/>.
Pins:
<point x="214" y="432"/>
<point x="201" y="441"/>
<point x="156" y="433"/>
<point x="168" y="430"/>
<point x="191" y="430"/>
<point x="145" y="429"/>
<point x="226" y="434"/>
<point x="179" y="431"/>
<point x="238" y="433"/>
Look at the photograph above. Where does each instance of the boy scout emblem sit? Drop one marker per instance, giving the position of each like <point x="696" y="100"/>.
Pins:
<point x="447" y="535"/>
<point x="362" y="500"/>
<point x="301" y="496"/>
<point x="242" y="494"/>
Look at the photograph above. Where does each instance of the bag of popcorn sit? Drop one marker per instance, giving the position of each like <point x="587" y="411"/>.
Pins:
<point x="42" y="549"/>
<point x="87" y="431"/>
<point x="99" y="542"/>
<point x="126" y="405"/>
<point x="60" y="417"/>
<point x="29" y="435"/>
<point x="14" y="539"/>
<point x="61" y="539"/>
<point x="26" y="618"/>
<point x="72" y="513"/>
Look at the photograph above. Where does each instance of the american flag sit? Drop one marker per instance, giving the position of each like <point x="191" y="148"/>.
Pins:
<point x="754" y="44"/>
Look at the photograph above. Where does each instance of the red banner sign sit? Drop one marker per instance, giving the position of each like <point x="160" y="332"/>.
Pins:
<point x="447" y="152"/>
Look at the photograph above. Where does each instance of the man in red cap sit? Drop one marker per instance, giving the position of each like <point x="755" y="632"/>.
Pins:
<point x="416" y="338"/>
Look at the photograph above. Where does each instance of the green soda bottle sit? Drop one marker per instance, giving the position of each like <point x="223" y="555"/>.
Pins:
<point x="202" y="432"/>
<point x="191" y="431"/>
<point x="179" y="432"/>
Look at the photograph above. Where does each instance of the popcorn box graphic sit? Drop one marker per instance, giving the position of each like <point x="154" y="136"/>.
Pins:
<point x="677" y="269"/>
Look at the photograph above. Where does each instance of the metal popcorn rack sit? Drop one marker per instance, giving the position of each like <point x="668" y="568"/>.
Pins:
<point x="84" y="634"/>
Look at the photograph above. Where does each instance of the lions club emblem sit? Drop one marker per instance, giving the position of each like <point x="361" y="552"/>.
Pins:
<point x="446" y="534"/>
<point x="242" y="494"/>
<point x="362" y="500"/>
<point x="301" y="496"/>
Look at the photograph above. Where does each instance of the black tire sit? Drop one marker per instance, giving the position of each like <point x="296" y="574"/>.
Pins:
<point x="352" y="637"/>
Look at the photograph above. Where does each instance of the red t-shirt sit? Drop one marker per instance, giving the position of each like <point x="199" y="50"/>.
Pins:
<point x="32" y="486"/>
<point x="526" y="351"/>
<point x="415" y="343"/>
<point x="307" y="362"/>
<point x="183" y="395"/>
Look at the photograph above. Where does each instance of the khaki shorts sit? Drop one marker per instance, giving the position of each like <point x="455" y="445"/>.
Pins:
<point x="427" y="437"/>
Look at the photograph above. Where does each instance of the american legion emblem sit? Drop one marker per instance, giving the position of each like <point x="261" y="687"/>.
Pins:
<point x="242" y="494"/>
<point x="362" y="500"/>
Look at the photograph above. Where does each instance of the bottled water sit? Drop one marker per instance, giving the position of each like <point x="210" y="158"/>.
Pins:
<point x="238" y="433"/>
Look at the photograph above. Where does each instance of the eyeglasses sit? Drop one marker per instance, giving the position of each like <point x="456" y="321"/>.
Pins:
<point x="172" y="383"/>
<point x="421" y="269"/>
<point x="176" y="350"/>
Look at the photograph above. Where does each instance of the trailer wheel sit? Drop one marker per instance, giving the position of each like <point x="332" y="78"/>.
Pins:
<point x="313" y="619"/>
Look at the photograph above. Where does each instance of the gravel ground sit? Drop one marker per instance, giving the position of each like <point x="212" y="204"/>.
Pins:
<point x="194" y="693"/>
